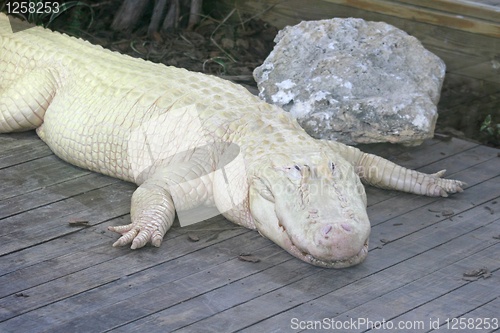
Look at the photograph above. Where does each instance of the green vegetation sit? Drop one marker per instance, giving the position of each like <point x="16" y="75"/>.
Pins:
<point x="491" y="130"/>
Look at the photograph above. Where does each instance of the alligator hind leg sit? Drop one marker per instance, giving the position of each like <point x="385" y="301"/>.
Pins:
<point x="23" y="103"/>
<point x="382" y="173"/>
<point x="379" y="172"/>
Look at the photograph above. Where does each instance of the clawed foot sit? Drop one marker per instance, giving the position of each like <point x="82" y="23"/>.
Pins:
<point x="441" y="187"/>
<point x="138" y="234"/>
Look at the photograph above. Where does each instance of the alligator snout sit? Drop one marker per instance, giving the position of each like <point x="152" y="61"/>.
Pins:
<point x="336" y="242"/>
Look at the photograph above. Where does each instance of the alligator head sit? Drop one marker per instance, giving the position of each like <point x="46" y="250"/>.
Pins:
<point x="313" y="207"/>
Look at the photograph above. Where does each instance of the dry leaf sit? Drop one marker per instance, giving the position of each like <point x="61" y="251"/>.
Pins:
<point x="76" y="222"/>
<point x="248" y="257"/>
<point x="193" y="237"/>
<point x="447" y="212"/>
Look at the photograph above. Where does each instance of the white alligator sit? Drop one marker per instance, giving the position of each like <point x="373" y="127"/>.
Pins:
<point x="171" y="131"/>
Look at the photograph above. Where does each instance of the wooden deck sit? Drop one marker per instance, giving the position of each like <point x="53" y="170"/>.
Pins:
<point x="59" y="278"/>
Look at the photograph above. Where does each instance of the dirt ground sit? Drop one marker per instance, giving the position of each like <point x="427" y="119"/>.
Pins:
<point x="230" y="50"/>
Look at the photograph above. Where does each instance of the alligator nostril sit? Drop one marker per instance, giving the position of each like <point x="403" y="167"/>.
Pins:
<point x="346" y="227"/>
<point x="326" y="229"/>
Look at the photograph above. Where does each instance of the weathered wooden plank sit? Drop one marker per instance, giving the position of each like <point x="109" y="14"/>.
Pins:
<point x="285" y="13"/>
<point x="461" y="43"/>
<point x="49" y="216"/>
<point x="440" y="294"/>
<point x="493" y="3"/>
<point x="393" y="153"/>
<point x="80" y="241"/>
<point x="421" y="157"/>
<point x="36" y="174"/>
<point x="17" y="148"/>
<point x="330" y="293"/>
<point x="95" y="249"/>
<point x="417" y="157"/>
<point x="395" y="227"/>
<point x="17" y="139"/>
<point x="459" y="89"/>
<point x="462" y="161"/>
<point x="53" y="193"/>
<point x="467" y="8"/>
<point x="487" y="311"/>
<point x="485" y="70"/>
<point x="452" y="163"/>
<point x="433" y="212"/>
<point x="420" y="14"/>
<point x="23" y="154"/>
<point x="457" y="60"/>
<point x="218" y="300"/>
<point x="460" y="301"/>
<point x="176" y="292"/>
<point x="51" y="221"/>
<point x="479" y="190"/>
<point x="429" y="152"/>
<point x="143" y="281"/>
<point x="56" y="267"/>
<point x="129" y="263"/>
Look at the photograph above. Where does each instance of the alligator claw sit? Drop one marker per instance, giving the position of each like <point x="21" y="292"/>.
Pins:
<point x="138" y="234"/>
<point x="445" y="186"/>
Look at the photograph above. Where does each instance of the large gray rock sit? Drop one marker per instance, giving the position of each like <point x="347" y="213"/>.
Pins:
<point x="354" y="81"/>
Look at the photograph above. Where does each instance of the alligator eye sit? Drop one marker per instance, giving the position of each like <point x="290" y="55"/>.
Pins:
<point x="332" y="166"/>
<point x="295" y="172"/>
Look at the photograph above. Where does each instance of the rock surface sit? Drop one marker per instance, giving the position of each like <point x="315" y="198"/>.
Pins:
<point x="354" y="81"/>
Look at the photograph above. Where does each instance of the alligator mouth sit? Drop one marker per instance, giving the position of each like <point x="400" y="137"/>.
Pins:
<point x="342" y="263"/>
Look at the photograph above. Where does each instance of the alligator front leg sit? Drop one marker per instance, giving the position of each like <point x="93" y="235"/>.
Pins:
<point x="176" y="187"/>
<point x="152" y="214"/>
<point x="377" y="171"/>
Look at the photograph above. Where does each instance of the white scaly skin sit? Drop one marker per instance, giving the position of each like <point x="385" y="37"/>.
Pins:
<point x="145" y="123"/>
